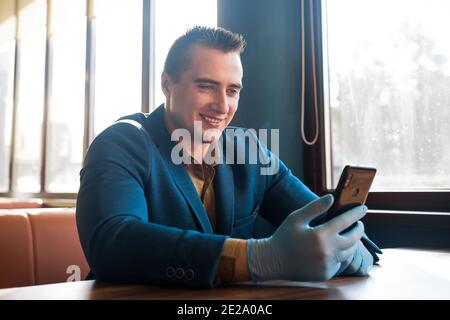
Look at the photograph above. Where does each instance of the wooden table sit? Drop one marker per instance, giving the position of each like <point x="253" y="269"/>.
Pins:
<point x="401" y="274"/>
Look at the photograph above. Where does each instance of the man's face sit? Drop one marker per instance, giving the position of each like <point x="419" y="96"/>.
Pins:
<point x="208" y="92"/>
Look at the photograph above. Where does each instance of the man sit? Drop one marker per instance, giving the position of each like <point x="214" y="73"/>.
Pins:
<point x="145" y="217"/>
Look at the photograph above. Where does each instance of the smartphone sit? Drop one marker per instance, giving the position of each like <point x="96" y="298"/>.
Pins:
<point x="352" y="190"/>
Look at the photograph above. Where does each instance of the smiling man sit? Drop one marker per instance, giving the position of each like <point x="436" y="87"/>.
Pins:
<point x="143" y="217"/>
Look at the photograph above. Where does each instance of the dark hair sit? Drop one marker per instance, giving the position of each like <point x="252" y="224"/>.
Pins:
<point x="178" y="58"/>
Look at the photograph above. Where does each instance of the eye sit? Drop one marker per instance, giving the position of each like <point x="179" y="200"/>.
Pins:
<point x="205" y="86"/>
<point x="232" y="92"/>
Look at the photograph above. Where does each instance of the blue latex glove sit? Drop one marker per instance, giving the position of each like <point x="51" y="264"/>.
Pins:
<point x="363" y="259"/>
<point x="358" y="265"/>
<point x="371" y="247"/>
<point x="299" y="252"/>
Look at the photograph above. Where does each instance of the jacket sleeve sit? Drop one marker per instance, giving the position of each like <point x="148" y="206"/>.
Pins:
<point x="284" y="192"/>
<point x="119" y="242"/>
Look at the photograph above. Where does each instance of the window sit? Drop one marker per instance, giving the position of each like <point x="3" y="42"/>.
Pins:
<point x="30" y="95"/>
<point x="388" y="102"/>
<point x="71" y="68"/>
<point x="383" y="99"/>
<point x="7" y="52"/>
<point x="188" y="14"/>
<point x="118" y="60"/>
<point x="64" y="152"/>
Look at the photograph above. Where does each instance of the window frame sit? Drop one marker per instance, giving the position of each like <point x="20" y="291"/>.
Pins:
<point x="147" y="94"/>
<point x="395" y="218"/>
<point x="147" y="90"/>
<point x="315" y="156"/>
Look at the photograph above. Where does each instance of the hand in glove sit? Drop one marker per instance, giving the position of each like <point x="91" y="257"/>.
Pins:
<point x="299" y="252"/>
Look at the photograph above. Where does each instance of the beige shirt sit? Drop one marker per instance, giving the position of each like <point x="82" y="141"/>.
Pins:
<point x="233" y="262"/>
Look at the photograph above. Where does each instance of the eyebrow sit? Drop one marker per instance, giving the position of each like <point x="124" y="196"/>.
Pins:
<point x="211" y="81"/>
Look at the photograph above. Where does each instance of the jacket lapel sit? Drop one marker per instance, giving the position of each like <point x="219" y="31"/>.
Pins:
<point x="224" y="192"/>
<point x="157" y="130"/>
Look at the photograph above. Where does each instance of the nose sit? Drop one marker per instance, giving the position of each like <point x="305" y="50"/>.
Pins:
<point x="221" y="103"/>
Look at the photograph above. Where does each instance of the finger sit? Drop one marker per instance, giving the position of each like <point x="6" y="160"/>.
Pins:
<point x="349" y="238"/>
<point x="344" y="255"/>
<point x="357" y="261"/>
<point x="368" y="259"/>
<point x="370" y="244"/>
<point x="315" y="208"/>
<point x="361" y="263"/>
<point x="346" y="219"/>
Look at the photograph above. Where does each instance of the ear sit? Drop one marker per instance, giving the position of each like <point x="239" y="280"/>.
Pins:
<point x="166" y="84"/>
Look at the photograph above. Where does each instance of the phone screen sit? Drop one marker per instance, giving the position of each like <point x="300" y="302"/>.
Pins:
<point x="352" y="189"/>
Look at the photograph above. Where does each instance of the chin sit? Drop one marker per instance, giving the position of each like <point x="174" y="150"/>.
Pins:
<point x="212" y="138"/>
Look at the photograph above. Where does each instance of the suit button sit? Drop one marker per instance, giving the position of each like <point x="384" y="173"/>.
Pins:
<point x="170" y="272"/>
<point x="179" y="273"/>
<point x="190" y="274"/>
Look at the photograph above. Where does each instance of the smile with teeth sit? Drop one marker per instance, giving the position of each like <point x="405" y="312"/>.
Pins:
<point x="212" y="121"/>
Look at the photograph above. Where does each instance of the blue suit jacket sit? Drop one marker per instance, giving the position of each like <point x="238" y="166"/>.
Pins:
<point x="140" y="218"/>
